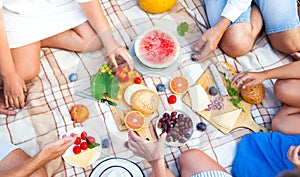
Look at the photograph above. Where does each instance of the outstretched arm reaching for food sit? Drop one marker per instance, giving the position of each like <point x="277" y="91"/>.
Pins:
<point x="289" y="71"/>
<point x="153" y="152"/>
<point x="47" y="153"/>
<point x="96" y="18"/>
<point x="211" y="38"/>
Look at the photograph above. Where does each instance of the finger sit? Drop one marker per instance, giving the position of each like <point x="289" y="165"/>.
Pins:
<point x="7" y="112"/>
<point x="237" y="77"/>
<point x="6" y="101"/>
<point x="290" y="152"/>
<point x="68" y="141"/>
<point x="24" y="88"/>
<point x="162" y="137"/>
<point x="113" y="60"/>
<point x="22" y="100"/>
<point x="11" y="102"/>
<point x="16" y="102"/>
<point x="127" y="57"/>
<point x="135" y="137"/>
<point x="295" y="154"/>
<point x="198" y="45"/>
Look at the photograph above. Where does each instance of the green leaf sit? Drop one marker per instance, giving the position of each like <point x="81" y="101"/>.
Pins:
<point x="182" y="28"/>
<point x="104" y="83"/>
<point x="91" y="146"/>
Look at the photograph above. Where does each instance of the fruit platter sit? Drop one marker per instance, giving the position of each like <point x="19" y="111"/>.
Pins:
<point x="178" y="126"/>
<point x="156" y="51"/>
<point x="85" y="150"/>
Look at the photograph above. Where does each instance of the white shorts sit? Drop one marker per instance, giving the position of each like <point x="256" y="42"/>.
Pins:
<point x="5" y="148"/>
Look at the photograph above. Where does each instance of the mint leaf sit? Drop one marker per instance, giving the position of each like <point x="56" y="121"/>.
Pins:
<point x="91" y="146"/>
<point x="182" y="28"/>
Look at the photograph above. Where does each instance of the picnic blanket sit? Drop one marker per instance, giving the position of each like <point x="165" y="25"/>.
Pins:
<point x="51" y="95"/>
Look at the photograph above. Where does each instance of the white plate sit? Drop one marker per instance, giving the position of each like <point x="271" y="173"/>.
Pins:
<point x="78" y="131"/>
<point x="117" y="167"/>
<point x="152" y="71"/>
<point x="176" y="143"/>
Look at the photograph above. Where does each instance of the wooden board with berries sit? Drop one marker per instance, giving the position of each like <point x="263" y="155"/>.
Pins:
<point x="222" y="112"/>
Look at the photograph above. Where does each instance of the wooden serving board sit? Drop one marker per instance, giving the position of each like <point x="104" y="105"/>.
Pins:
<point x="119" y="115"/>
<point x="244" y="119"/>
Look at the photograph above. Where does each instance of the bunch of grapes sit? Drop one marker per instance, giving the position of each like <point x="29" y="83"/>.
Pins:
<point x="105" y="68"/>
<point x="177" y="126"/>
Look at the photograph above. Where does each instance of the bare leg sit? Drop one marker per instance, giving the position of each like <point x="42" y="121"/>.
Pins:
<point x="287" y="91"/>
<point x="286" y="41"/>
<point x="169" y="174"/>
<point x="16" y="158"/>
<point x="194" y="161"/>
<point x="80" y="39"/>
<point x="27" y="63"/>
<point x="231" y="42"/>
<point x="287" y="120"/>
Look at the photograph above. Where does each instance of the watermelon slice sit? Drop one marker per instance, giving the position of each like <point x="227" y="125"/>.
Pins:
<point x="157" y="48"/>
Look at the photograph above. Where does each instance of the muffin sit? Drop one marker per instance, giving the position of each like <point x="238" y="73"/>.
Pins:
<point x="253" y="94"/>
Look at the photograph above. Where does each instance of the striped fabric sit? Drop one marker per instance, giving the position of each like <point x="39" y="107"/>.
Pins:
<point x="51" y="95"/>
<point x="212" y="173"/>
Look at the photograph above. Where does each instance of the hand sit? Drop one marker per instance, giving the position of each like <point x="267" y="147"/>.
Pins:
<point x="208" y="42"/>
<point x="120" y="52"/>
<point x="293" y="156"/>
<point x="148" y="150"/>
<point x="254" y="77"/>
<point x="55" y="149"/>
<point x="14" y="88"/>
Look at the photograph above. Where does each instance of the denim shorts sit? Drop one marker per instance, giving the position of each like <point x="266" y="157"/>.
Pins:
<point x="278" y="15"/>
<point x="5" y="148"/>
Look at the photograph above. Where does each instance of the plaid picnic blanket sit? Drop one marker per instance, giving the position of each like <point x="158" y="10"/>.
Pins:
<point x="51" y="94"/>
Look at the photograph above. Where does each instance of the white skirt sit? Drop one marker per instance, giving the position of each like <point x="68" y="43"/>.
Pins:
<point x="26" y="28"/>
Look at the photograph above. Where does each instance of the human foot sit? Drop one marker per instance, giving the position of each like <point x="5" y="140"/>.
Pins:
<point x="3" y="108"/>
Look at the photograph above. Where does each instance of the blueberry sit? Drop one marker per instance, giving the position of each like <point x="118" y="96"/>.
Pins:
<point x="194" y="53"/>
<point x="161" y="87"/>
<point x="213" y="90"/>
<point x="201" y="126"/>
<point x="73" y="77"/>
<point x="105" y="143"/>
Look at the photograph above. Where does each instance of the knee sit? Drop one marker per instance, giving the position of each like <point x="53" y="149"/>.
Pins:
<point x="187" y="155"/>
<point x="281" y="90"/>
<point x="235" y="45"/>
<point x="29" y="74"/>
<point x="275" y="123"/>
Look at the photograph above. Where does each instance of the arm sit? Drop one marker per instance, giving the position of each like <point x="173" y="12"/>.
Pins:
<point x="48" y="153"/>
<point x="13" y="84"/>
<point x="98" y="21"/>
<point x="211" y="38"/>
<point x="158" y="168"/>
<point x="288" y="71"/>
<point x="153" y="152"/>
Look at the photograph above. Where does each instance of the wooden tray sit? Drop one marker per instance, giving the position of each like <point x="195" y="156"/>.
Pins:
<point x="244" y="119"/>
<point x="119" y="115"/>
